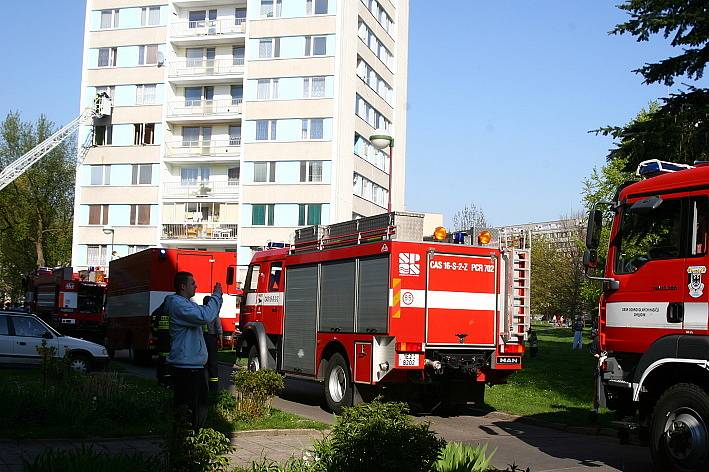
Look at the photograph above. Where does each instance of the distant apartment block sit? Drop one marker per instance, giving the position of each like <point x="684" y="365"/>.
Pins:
<point x="236" y="122"/>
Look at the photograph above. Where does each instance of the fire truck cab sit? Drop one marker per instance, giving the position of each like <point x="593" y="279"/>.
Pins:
<point x="654" y="310"/>
<point x="368" y="303"/>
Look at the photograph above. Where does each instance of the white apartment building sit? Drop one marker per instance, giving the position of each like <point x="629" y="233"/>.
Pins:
<point x="236" y="121"/>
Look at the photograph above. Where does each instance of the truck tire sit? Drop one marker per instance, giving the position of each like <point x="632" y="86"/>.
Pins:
<point x="679" y="438"/>
<point x="338" y="384"/>
<point x="253" y="362"/>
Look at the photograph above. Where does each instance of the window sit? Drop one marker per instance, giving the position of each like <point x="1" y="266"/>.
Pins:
<point x="311" y="171"/>
<point x="107" y="57"/>
<point x="267" y="89"/>
<point x="649" y="236"/>
<point x="233" y="174"/>
<point x="374" y="156"/>
<point x="109" y="19"/>
<point x="264" y="171"/>
<point x="237" y="54"/>
<point x="101" y="175"/>
<point x="28" y="327"/>
<point x="103" y="135"/>
<point x="148" y="55"/>
<point x="237" y="94"/>
<point x="267" y="8"/>
<point x="142" y="174"/>
<point x="374" y="81"/>
<point x="313" y="87"/>
<point x="320" y="7"/>
<point x="698" y="213"/>
<point x="274" y="279"/>
<point x="134" y="249"/>
<point x="312" y="128"/>
<point x="239" y="16"/>
<point x="262" y="215"/>
<point x="140" y="214"/>
<point x="190" y="136"/>
<point x="98" y="214"/>
<point x="315" y="45"/>
<point x="269" y="48"/>
<point x="309" y="214"/>
<point x="96" y="255"/>
<point x="144" y="133"/>
<point x="265" y="130"/>
<point x="234" y="135"/>
<point x="150" y="16"/>
<point x="194" y="175"/>
<point x="251" y="283"/>
<point x="3" y="326"/>
<point x="145" y="94"/>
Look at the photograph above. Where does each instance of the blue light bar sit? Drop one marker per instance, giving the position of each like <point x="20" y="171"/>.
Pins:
<point x="653" y="167"/>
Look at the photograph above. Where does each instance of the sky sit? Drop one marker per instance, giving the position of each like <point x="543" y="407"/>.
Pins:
<point x="501" y="96"/>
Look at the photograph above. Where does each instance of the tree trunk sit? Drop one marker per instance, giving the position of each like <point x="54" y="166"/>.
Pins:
<point x="38" y="241"/>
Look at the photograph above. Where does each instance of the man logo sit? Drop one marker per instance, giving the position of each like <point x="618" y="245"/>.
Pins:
<point x="409" y="263"/>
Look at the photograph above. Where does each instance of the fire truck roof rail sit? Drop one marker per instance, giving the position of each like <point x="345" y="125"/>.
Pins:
<point x="653" y="167"/>
<point x="399" y="225"/>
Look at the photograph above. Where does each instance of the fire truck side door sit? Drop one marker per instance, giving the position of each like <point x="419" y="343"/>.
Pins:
<point x="248" y="310"/>
<point x="273" y="298"/>
<point x="647" y="258"/>
<point x="696" y="307"/>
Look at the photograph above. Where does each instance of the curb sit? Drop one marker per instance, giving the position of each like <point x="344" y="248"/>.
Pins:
<point x="274" y="432"/>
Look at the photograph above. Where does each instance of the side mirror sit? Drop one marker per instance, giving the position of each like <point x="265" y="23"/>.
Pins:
<point x="230" y="275"/>
<point x="590" y="258"/>
<point x="593" y="230"/>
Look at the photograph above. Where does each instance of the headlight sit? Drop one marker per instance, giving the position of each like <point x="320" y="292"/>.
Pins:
<point x="104" y="352"/>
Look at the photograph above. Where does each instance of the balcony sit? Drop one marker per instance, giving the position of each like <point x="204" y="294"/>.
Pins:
<point x="218" y="188"/>
<point x="205" y="70"/>
<point x="199" y="111"/>
<point x="207" y="32"/>
<point x="208" y="231"/>
<point x="204" y="151"/>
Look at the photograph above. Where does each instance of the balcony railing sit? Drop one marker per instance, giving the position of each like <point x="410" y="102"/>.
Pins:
<point x="188" y="29"/>
<point x="196" y="108"/>
<point x="213" y="231"/>
<point x="209" y="188"/>
<point x="185" y="148"/>
<point x="198" y="67"/>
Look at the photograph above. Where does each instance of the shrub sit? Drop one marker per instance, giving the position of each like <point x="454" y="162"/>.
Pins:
<point x="201" y="451"/>
<point x="458" y="457"/>
<point x="254" y="391"/>
<point x="85" y="459"/>
<point x="378" y="436"/>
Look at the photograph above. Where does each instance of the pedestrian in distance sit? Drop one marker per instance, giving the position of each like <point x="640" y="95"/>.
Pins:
<point x="214" y="339"/>
<point x="188" y="351"/>
<point x="533" y="342"/>
<point x="578" y="333"/>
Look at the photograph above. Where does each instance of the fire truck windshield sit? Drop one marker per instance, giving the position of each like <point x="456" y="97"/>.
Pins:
<point x="91" y="298"/>
<point x="646" y="236"/>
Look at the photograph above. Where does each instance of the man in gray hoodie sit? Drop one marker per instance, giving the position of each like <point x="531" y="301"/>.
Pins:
<point x="188" y="352"/>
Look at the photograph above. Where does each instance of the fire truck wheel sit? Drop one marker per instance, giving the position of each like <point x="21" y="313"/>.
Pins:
<point x="338" y="384"/>
<point x="254" y="362"/>
<point x="679" y="438"/>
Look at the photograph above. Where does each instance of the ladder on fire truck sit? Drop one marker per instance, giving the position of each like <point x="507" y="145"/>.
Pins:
<point x="519" y="243"/>
<point x="100" y="109"/>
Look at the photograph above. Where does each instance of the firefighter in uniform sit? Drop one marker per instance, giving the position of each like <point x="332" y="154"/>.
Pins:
<point x="160" y="324"/>
<point x="213" y="338"/>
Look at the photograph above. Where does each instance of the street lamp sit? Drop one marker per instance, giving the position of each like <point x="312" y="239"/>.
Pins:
<point x="381" y="139"/>
<point x="108" y="229"/>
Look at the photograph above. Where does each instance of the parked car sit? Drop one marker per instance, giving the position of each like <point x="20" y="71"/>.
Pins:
<point x="21" y="334"/>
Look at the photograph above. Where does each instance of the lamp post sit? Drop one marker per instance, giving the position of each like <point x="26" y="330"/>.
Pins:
<point x="109" y="230"/>
<point x="381" y="139"/>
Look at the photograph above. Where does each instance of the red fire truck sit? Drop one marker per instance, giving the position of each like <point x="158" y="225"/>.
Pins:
<point x="72" y="302"/>
<point x="140" y="282"/>
<point x="368" y="303"/>
<point x="653" y="312"/>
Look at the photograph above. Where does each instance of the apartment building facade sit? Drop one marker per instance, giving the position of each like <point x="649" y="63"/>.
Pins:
<point x="236" y="122"/>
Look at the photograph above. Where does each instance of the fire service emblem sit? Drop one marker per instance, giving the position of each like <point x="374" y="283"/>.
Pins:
<point x="696" y="286"/>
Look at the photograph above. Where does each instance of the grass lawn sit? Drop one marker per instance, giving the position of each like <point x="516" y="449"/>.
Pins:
<point x="556" y="386"/>
<point x="229" y="356"/>
<point x="279" y="420"/>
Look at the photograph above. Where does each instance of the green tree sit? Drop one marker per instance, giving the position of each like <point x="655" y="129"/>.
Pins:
<point x="36" y="210"/>
<point x="678" y="128"/>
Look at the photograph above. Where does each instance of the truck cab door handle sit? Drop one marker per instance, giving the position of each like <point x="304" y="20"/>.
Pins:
<point x="675" y="312"/>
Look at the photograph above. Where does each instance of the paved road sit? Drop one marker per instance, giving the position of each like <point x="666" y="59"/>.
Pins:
<point x="542" y="449"/>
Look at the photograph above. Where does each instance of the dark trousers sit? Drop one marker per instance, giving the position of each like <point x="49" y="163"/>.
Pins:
<point x="163" y="371"/>
<point x="191" y="391"/>
<point x="212" y="364"/>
